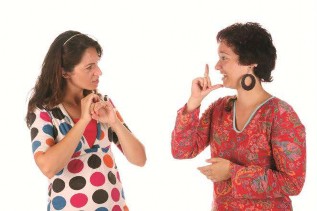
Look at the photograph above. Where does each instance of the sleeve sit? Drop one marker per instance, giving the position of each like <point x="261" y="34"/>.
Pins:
<point x="191" y="134"/>
<point x="111" y="134"/>
<point x="288" y="141"/>
<point x="42" y="130"/>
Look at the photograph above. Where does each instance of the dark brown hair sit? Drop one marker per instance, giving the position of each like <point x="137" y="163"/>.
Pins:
<point x="64" y="53"/>
<point x="253" y="44"/>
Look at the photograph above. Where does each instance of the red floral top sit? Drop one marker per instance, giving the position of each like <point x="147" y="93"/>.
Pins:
<point x="268" y="156"/>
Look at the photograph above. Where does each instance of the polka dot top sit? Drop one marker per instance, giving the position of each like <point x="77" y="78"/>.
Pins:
<point x="90" y="180"/>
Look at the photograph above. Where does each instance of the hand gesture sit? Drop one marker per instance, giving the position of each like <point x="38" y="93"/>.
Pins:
<point x="201" y="87"/>
<point x="104" y="112"/>
<point x="86" y="103"/>
<point x="217" y="171"/>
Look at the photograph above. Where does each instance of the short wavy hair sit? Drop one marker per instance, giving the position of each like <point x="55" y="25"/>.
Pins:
<point x="253" y="44"/>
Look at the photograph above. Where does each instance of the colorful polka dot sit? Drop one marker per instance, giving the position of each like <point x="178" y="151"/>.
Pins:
<point x="48" y="129"/>
<point x="79" y="200"/>
<point x="50" y="142"/>
<point x="100" y="196"/>
<point x="58" y="185"/>
<point x="45" y="116"/>
<point x="116" y="208"/>
<point x="64" y="128"/>
<point x="34" y="132"/>
<point x="77" y="183"/>
<point x="94" y="161"/>
<point x="75" y="166"/>
<point x="101" y="209"/>
<point x="107" y="159"/>
<point x="112" y="178"/>
<point x="35" y="145"/>
<point x="58" y="202"/>
<point x="97" y="179"/>
<point x="115" y="194"/>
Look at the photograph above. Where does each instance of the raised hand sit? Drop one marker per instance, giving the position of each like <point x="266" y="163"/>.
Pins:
<point x="104" y="112"/>
<point x="201" y="87"/>
<point x="86" y="103"/>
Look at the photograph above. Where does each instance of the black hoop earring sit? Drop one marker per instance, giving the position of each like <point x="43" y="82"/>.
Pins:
<point x="251" y="86"/>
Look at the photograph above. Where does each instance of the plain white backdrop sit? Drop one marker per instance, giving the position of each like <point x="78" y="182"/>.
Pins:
<point x="152" y="51"/>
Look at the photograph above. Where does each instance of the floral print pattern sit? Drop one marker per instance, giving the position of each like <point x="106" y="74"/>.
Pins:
<point x="268" y="157"/>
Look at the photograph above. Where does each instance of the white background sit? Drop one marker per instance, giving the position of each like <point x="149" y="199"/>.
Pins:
<point x="152" y="51"/>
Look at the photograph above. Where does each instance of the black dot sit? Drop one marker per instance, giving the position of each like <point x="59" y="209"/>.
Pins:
<point x="77" y="183"/>
<point x="57" y="113"/>
<point x="94" y="161"/>
<point x="100" y="196"/>
<point x="112" y="178"/>
<point x="58" y="185"/>
<point x="34" y="132"/>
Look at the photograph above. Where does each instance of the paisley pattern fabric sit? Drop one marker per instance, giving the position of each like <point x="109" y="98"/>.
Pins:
<point x="268" y="156"/>
<point x="90" y="180"/>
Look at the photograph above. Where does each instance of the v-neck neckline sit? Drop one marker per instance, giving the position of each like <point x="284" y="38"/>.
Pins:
<point x="250" y="117"/>
<point x="71" y="121"/>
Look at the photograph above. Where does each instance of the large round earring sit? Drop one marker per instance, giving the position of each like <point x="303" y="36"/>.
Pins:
<point x="252" y="84"/>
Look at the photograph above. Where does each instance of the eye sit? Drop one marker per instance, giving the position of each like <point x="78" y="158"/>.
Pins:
<point x="223" y="58"/>
<point x="89" y="67"/>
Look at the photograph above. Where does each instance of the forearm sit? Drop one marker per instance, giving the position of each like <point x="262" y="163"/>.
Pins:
<point x="132" y="148"/>
<point x="188" y="137"/>
<point x="255" y="182"/>
<point x="56" y="157"/>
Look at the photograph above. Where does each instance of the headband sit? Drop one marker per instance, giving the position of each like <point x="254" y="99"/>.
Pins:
<point x="71" y="38"/>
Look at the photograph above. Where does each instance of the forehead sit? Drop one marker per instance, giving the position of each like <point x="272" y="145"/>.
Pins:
<point x="90" y="55"/>
<point x="224" y="48"/>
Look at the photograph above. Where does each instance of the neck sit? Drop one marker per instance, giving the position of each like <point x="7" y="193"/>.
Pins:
<point x="253" y="97"/>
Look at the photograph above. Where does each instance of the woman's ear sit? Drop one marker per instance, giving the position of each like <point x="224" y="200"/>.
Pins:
<point x="65" y="74"/>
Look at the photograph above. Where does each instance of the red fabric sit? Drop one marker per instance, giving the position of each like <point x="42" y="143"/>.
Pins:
<point x="268" y="157"/>
<point x="90" y="132"/>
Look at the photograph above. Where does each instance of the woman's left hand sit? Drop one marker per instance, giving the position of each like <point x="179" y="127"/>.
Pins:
<point x="104" y="112"/>
<point x="218" y="170"/>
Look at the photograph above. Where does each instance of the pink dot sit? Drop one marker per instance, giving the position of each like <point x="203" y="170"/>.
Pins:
<point x="115" y="194"/>
<point x="75" y="166"/>
<point x="118" y="176"/>
<point x="116" y="208"/>
<point x="97" y="179"/>
<point x="79" y="200"/>
<point x="45" y="117"/>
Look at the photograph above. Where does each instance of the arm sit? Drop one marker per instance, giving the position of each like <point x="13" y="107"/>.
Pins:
<point x="190" y="135"/>
<point x="131" y="147"/>
<point x="289" y="154"/>
<point x="52" y="157"/>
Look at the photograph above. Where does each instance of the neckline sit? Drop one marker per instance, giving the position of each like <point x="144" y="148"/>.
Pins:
<point x="250" y="117"/>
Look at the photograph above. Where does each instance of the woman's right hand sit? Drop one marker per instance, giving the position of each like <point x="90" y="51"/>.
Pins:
<point x="86" y="104"/>
<point x="201" y="87"/>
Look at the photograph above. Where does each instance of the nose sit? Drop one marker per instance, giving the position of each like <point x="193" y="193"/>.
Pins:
<point x="98" y="71"/>
<point x="217" y="66"/>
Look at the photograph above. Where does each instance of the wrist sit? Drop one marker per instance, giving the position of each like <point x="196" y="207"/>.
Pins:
<point x="193" y="103"/>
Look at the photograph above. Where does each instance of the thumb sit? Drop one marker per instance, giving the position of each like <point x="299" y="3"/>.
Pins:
<point x="212" y="160"/>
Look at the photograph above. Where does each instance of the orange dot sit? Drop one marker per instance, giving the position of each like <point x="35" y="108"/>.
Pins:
<point x="125" y="208"/>
<point x="37" y="154"/>
<point x="102" y="135"/>
<point x="108" y="161"/>
<point x="50" y="142"/>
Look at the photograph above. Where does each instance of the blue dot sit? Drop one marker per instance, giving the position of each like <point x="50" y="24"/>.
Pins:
<point x="101" y="209"/>
<point x="98" y="131"/>
<point x="59" y="202"/>
<point x="64" y="128"/>
<point x="35" y="145"/>
<point x="60" y="172"/>
<point x="48" y="129"/>
<point x="78" y="147"/>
